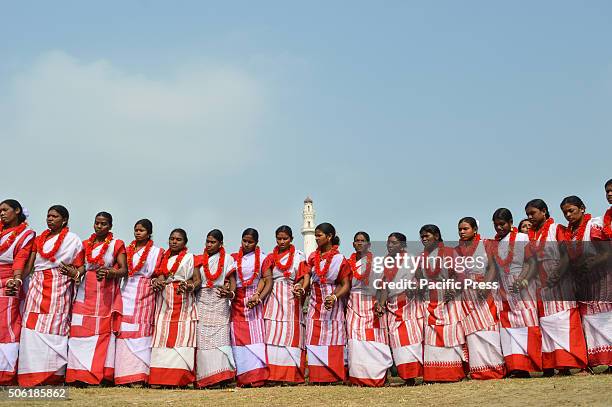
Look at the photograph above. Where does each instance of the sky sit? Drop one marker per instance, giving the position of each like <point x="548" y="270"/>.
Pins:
<point x="390" y="115"/>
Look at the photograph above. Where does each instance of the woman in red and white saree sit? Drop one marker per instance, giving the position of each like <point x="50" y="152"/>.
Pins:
<point x="135" y="338"/>
<point x="590" y="263"/>
<point x="57" y="262"/>
<point x="444" y="349"/>
<point x="214" y="357"/>
<point x="284" y="329"/>
<point x="563" y="344"/>
<point x="176" y="315"/>
<point x="96" y="309"/>
<point x="16" y="240"/>
<point x="405" y="312"/>
<point x="247" y="321"/>
<point x="521" y="338"/>
<point x="325" y="322"/>
<point x="480" y="320"/>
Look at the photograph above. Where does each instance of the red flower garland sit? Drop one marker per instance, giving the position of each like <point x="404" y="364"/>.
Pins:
<point x="131" y="250"/>
<point x="607" y="223"/>
<point x="541" y="235"/>
<point x="11" y="239"/>
<point x="163" y="267"/>
<point x="211" y="278"/>
<point x="353" y="263"/>
<point x="438" y="267"/>
<point x="322" y="273"/>
<point x="256" y="267"/>
<point x="494" y="251"/>
<point x="285" y="268"/>
<point x="89" y="246"/>
<point x="43" y="238"/>
<point x="468" y="250"/>
<point x="575" y="250"/>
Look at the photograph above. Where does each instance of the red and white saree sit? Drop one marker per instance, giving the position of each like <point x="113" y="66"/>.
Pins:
<point x="520" y="334"/>
<point x="444" y="350"/>
<point x="325" y="329"/>
<point x="369" y="355"/>
<point x="43" y="352"/>
<point x="284" y="328"/>
<point x="214" y="357"/>
<point x="248" y="332"/>
<point x="174" y="335"/>
<point x="96" y="315"/>
<point x="563" y="343"/>
<point x="135" y="338"/>
<point x="15" y="248"/>
<point x="480" y="319"/>
<point x="593" y="289"/>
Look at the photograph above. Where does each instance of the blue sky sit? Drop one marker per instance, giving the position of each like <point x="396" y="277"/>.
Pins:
<point x="389" y="114"/>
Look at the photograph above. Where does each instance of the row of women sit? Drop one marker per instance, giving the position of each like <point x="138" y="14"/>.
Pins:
<point x="96" y="311"/>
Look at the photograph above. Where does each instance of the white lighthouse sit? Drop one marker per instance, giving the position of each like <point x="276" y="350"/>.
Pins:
<point x="308" y="227"/>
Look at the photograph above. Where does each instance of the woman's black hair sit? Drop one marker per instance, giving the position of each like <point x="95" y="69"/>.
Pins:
<point x="433" y="229"/>
<point x="106" y="216"/>
<point x="364" y="234"/>
<point x="15" y="205"/>
<point x="329" y="229"/>
<point x="573" y="200"/>
<point x="470" y="221"/>
<point x="400" y="237"/>
<point x="284" y="229"/>
<point x="63" y="212"/>
<point x="216" y="234"/>
<point x="502" y="214"/>
<point x="520" y="225"/>
<point x="181" y="232"/>
<point x="251" y="232"/>
<point x="608" y="183"/>
<point x="147" y="224"/>
<point x="538" y="204"/>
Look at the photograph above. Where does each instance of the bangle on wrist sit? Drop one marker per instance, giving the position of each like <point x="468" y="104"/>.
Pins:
<point x="335" y="297"/>
<point x="76" y="276"/>
<point x="18" y="278"/>
<point x="233" y="295"/>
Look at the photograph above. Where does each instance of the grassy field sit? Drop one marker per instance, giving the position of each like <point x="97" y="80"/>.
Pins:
<point x="574" y="390"/>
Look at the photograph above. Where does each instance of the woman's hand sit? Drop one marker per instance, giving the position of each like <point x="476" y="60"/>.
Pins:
<point x="298" y="291"/>
<point x="102" y="273"/>
<point x="12" y="286"/>
<point x="379" y="310"/>
<point x="329" y="301"/>
<point x="449" y="295"/>
<point x="254" y="300"/>
<point x="158" y="284"/>
<point x="185" y="287"/>
<point x="70" y="271"/>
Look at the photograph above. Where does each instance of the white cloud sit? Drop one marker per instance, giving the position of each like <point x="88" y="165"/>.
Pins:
<point x="94" y="137"/>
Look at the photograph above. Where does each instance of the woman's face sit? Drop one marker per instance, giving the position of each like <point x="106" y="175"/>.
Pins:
<point x="502" y="227"/>
<point x="176" y="242"/>
<point x="609" y="193"/>
<point x="248" y="244"/>
<point x="536" y="216"/>
<point x="321" y="238"/>
<point x="141" y="234"/>
<point x="394" y="245"/>
<point x="573" y="214"/>
<point x="55" y="221"/>
<point x="283" y="241"/>
<point x="8" y="215"/>
<point x="525" y="226"/>
<point x="428" y="239"/>
<point x="360" y="244"/>
<point x="466" y="231"/>
<point x="101" y="226"/>
<point x="212" y="245"/>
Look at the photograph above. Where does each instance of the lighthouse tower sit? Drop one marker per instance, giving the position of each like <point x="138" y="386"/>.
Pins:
<point x="308" y="227"/>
